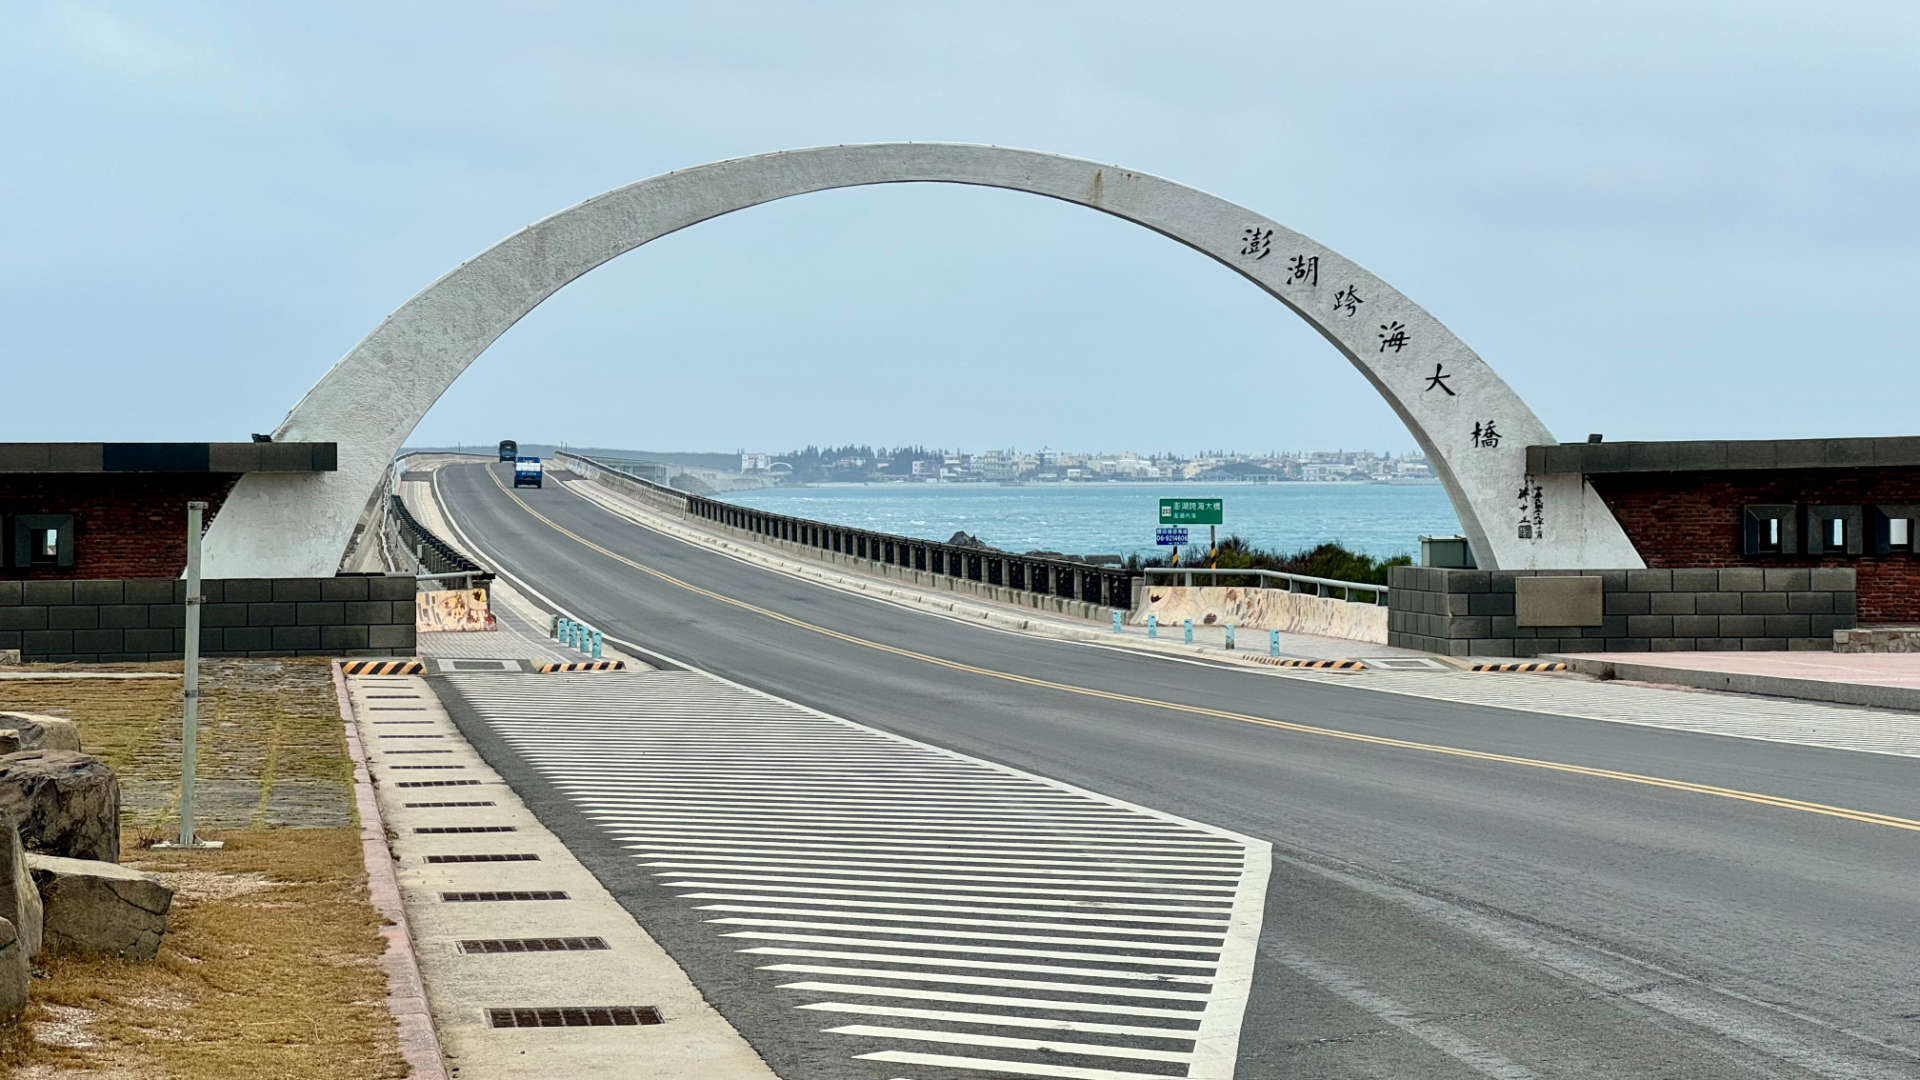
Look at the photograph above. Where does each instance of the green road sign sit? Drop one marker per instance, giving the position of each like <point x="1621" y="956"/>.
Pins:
<point x="1192" y="511"/>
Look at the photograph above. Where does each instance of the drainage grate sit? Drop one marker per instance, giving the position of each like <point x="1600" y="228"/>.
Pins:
<point x="494" y="946"/>
<point x="484" y="897"/>
<point x="419" y="751"/>
<point x="575" y="1016"/>
<point x="426" y="805"/>
<point x="400" y="721"/>
<point x="466" y="828"/>
<point x="436" y="783"/>
<point x="481" y="665"/>
<point x="503" y="857"/>
<point x="408" y="735"/>
<point x="393" y="697"/>
<point x="396" y="708"/>
<point x="426" y="767"/>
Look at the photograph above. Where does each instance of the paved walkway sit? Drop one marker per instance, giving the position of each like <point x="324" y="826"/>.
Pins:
<point x="1881" y="680"/>
<point x="1741" y="715"/>
<point x="510" y="929"/>
<point x="1878" y="669"/>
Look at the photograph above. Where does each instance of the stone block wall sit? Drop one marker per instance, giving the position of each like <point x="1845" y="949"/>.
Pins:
<point x="1471" y="612"/>
<point x="102" y="621"/>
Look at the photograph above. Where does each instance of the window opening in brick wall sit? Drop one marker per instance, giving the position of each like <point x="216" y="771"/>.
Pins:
<point x="1893" y="527"/>
<point x="1769" y="530"/>
<point x="42" y="540"/>
<point x="1834" y="530"/>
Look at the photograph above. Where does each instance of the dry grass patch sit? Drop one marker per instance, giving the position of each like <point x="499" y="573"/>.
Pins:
<point x="270" y="966"/>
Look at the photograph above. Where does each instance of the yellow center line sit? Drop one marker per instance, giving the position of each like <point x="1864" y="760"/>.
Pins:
<point x="1781" y="801"/>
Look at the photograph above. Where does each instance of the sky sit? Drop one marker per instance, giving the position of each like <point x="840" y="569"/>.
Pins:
<point x="1655" y="220"/>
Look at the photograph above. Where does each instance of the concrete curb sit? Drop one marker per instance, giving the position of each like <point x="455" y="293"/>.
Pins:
<point x="1864" y="694"/>
<point x="406" y="993"/>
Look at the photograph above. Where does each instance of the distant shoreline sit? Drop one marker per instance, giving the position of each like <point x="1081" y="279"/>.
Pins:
<point x="978" y="484"/>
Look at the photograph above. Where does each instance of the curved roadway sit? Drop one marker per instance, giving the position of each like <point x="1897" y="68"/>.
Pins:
<point x="1456" y="890"/>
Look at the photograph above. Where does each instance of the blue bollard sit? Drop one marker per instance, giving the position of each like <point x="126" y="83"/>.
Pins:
<point x="1116" y="622"/>
<point x="560" y="628"/>
<point x="1273" y="643"/>
<point x="596" y="644"/>
<point x="580" y="637"/>
<point x="1229" y="635"/>
<point x="1153" y="626"/>
<point x="1189" y="625"/>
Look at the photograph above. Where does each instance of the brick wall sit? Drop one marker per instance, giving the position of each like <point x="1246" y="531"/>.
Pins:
<point x="100" y="621"/>
<point x="1693" y="519"/>
<point x="126" y="525"/>
<point x="1471" y="612"/>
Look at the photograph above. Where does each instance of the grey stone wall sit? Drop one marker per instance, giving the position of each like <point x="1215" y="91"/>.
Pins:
<point x="101" y="621"/>
<point x="1471" y="612"/>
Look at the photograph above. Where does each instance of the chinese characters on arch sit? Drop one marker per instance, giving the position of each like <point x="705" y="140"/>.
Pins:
<point x="1532" y="510"/>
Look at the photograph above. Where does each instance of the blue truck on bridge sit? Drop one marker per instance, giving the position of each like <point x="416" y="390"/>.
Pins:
<point x="526" y="472"/>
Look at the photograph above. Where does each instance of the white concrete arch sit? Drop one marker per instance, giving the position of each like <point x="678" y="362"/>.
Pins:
<point x="299" y="525"/>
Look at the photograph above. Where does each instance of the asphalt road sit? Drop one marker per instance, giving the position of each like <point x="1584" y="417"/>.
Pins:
<point x="1431" y="912"/>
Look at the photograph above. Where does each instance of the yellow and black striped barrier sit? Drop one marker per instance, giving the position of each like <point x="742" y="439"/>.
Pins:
<point x="382" y="667"/>
<point x="1528" y="665"/>
<point x="584" y="665"/>
<point x="1334" y="665"/>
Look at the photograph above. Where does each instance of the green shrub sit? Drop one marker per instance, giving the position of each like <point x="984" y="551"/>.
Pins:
<point x="1328" y="560"/>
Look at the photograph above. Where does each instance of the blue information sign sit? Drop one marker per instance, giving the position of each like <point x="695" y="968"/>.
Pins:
<point x="1170" y="536"/>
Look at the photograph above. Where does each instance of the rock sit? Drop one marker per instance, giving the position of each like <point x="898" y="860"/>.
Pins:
<point x="101" y="907"/>
<point x="19" y="896"/>
<point x="10" y="741"/>
<point x="16" y="971"/>
<point x="39" y="732"/>
<point x="67" y="804"/>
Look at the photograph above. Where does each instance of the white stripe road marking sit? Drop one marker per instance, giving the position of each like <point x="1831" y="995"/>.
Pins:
<point x="921" y="885"/>
<point x="1001" y="1041"/>
<point x="979" y="935"/>
<point x="1015" y="1068"/>
<point x="1096" y="909"/>
<point x="1130" y="959"/>
<point x="1082" y="877"/>
<point x="985" y="980"/>
<point x="983" y="965"/>
<point x="1063" y="844"/>
<point x="1119" y="1008"/>
<point x="881" y="916"/>
<point x="735" y="880"/>
<point x="742" y="820"/>
<point x="882" y="847"/>
<point x="1089" y="1027"/>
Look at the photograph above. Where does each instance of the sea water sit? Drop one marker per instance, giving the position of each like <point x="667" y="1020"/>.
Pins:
<point x="1381" y="520"/>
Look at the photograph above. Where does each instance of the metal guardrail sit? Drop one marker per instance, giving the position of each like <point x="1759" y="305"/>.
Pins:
<point x="437" y="559"/>
<point x="1291" y="582"/>
<point x="1107" y="586"/>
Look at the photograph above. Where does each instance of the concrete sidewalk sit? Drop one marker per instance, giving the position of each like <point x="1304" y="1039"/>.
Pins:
<point x="1882" y="680"/>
